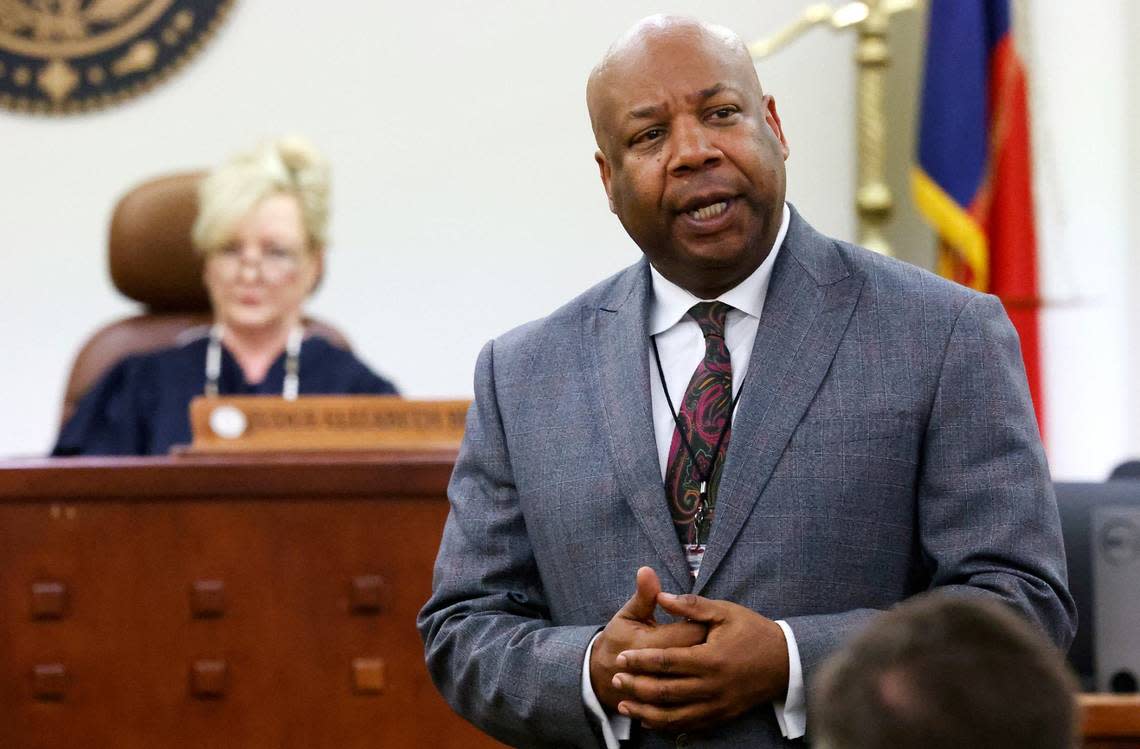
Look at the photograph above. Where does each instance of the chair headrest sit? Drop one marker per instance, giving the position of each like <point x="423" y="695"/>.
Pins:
<point x="151" y="255"/>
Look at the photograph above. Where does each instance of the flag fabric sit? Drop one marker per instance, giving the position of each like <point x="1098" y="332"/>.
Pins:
<point x="974" y="181"/>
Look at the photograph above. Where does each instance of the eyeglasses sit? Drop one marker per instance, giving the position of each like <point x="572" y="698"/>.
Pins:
<point x="274" y="262"/>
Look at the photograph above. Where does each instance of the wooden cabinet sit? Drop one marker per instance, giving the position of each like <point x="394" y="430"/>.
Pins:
<point x="250" y="601"/>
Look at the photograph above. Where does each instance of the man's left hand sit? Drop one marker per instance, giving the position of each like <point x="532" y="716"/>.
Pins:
<point x="743" y="663"/>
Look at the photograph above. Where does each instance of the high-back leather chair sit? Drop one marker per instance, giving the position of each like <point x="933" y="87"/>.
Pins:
<point x="154" y="263"/>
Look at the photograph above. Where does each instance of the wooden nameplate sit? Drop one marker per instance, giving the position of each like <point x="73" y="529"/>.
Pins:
<point x="229" y="424"/>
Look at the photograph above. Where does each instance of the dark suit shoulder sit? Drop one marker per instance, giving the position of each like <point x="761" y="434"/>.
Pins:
<point x="328" y="368"/>
<point x="914" y="313"/>
<point x="902" y="290"/>
<point x="890" y="285"/>
<point x="904" y="307"/>
<point x="121" y="414"/>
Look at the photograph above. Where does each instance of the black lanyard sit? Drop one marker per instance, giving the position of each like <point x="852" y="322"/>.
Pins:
<point x="684" y="438"/>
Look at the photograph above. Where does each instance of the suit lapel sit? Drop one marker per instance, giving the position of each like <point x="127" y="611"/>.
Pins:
<point x="619" y="335"/>
<point x="810" y="300"/>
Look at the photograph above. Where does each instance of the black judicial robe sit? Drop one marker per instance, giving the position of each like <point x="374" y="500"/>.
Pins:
<point x="142" y="405"/>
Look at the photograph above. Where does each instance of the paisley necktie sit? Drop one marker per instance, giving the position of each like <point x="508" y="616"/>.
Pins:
<point x="696" y="454"/>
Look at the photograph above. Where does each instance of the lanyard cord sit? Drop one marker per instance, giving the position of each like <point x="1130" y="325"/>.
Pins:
<point x="681" y="429"/>
<point x="292" y="384"/>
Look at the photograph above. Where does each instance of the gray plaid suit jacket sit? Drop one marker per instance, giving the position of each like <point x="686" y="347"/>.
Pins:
<point x="884" y="445"/>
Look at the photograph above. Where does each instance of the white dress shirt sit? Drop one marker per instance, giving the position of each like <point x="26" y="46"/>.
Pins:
<point x="682" y="347"/>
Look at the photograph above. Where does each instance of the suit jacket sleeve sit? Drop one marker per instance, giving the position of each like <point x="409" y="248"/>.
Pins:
<point x="986" y="514"/>
<point x="491" y="647"/>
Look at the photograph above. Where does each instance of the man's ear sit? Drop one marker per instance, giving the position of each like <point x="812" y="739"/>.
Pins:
<point x="606" y="175"/>
<point x="772" y="119"/>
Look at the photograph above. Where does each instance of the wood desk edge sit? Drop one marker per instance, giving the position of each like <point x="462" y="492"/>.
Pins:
<point x="1110" y="715"/>
<point x="405" y="473"/>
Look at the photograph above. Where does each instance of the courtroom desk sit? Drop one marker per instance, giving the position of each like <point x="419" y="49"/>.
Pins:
<point x="245" y="601"/>
<point x="1110" y="721"/>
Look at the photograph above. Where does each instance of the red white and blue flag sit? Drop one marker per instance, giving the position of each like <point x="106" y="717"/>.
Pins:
<point x="974" y="180"/>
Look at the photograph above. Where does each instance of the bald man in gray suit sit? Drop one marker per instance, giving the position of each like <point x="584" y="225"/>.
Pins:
<point x="681" y="491"/>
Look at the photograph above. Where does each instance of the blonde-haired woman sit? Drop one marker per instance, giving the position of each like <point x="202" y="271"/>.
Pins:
<point x="262" y="227"/>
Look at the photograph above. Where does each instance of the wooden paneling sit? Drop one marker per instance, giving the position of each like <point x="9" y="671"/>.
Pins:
<point x="1110" y="721"/>
<point x="221" y="602"/>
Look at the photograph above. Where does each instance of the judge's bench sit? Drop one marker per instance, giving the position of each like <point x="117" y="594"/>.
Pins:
<point x="247" y="600"/>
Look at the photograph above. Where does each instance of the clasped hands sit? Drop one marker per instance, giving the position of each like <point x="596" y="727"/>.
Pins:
<point x="716" y="662"/>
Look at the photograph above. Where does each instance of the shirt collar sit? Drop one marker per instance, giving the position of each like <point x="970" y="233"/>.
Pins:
<point x="671" y="302"/>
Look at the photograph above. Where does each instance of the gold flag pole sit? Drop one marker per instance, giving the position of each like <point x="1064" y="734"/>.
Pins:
<point x="871" y="21"/>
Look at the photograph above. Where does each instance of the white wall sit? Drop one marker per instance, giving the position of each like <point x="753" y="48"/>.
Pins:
<point x="1082" y="101"/>
<point x="1132" y="389"/>
<point x="466" y="195"/>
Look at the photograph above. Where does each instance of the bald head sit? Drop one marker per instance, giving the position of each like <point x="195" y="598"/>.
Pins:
<point x="627" y="58"/>
<point x="690" y="151"/>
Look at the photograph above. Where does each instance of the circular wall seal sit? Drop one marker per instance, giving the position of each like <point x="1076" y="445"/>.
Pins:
<point x="61" y="56"/>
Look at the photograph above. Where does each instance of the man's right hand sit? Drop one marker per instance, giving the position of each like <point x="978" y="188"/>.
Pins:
<point x="634" y="627"/>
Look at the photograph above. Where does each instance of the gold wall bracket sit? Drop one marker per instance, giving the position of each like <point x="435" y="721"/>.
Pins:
<point x="871" y="21"/>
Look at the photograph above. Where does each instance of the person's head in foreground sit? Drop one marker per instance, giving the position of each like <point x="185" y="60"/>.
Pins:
<point x="262" y="228"/>
<point x="939" y="672"/>
<point x="690" y="149"/>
